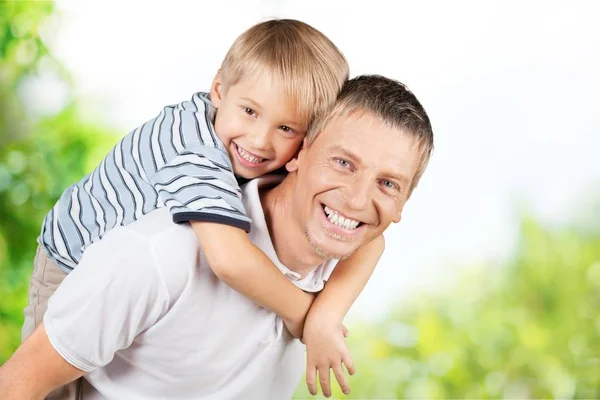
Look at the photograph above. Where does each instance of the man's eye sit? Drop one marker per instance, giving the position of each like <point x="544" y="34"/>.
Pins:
<point x="343" y="162"/>
<point x="249" y="111"/>
<point x="389" y="184"/>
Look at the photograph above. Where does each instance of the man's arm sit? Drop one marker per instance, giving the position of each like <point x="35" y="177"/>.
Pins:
<point x="323" y="332"/>
<point x="245" y="268"/>
<point x="115" y="293"/>
<point x="35" y="369"/>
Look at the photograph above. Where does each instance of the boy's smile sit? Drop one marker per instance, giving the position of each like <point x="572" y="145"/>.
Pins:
<point x="250" y="160"/>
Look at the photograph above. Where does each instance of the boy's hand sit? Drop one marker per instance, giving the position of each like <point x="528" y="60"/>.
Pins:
<point x="326" y="349"/>
<point x="295" y="328"/>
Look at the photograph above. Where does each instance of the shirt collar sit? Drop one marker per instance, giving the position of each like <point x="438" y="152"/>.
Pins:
<point x="260" y="236"/>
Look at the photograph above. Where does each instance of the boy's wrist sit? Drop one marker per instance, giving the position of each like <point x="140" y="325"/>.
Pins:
<point x="320" y="318"/>
<point x="300" y="312"/>
<point x="309" y="299"/>
<point x="323" y="314"/>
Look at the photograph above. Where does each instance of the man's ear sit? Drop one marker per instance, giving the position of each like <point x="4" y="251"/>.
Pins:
<point x="217" y="90"/>
<point x="397" y="217"/>
<point x="292" y="165"/>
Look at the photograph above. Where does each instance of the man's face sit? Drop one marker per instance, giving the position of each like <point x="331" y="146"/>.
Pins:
<point x="352" y="182"/>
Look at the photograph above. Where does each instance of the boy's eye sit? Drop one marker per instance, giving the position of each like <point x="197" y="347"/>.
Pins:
<point x="286" y="129"/>
<point x="249" y="111"/>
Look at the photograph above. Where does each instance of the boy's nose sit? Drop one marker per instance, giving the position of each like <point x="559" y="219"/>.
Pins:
<point x="261" y="138"/>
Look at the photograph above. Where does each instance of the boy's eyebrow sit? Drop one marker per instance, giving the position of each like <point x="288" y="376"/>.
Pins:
<point x="292" y="123"/>
<point x="252" y="102"/>
<point x="356" y="159"/>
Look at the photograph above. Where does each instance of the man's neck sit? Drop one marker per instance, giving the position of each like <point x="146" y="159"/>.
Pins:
<point x="289" y="239"/>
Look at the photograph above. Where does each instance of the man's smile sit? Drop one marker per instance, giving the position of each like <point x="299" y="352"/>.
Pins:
<point x="340" y="222"/>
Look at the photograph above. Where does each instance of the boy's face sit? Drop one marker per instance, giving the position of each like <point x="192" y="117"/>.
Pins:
<point x="259" y="127"/>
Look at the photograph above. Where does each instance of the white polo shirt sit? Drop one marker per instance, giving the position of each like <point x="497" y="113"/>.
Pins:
<point x="146" y="317"/>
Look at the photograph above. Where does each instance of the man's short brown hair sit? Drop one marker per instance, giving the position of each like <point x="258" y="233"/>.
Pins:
<point x="389" y="100"/>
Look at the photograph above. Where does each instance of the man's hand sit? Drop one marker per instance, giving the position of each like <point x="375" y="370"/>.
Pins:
<point x="35" y="369"/>
<point x="326" y="349"/>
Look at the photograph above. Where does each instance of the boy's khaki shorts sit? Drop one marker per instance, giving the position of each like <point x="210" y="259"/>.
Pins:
<point x="45" y="279"/>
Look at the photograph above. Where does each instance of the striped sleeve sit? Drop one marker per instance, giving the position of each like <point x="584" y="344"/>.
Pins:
<point x="199" y="185"/>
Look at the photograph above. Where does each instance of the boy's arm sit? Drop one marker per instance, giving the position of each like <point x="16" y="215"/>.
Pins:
<point x="347" y="281"/>
<point x="244" y="267"/>
<point x="199" y="187"/>
<point x="323" y="332"/>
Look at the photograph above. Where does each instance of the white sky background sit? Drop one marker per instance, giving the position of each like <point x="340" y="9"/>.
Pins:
<point x="511" y="88"/>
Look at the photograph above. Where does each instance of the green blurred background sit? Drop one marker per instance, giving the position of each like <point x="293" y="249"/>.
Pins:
<point x="526" y="329"/>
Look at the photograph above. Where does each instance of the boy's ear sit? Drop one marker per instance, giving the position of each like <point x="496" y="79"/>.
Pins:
<point x="216" y="90"/>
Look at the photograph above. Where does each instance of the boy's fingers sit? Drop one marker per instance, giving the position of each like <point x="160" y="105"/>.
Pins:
<point x="345" y="331"/>
<point x="311" y="383"/>
<point x="324" y="377"/>
<point x="338" y="371"/>
<point x="347" y="360"/>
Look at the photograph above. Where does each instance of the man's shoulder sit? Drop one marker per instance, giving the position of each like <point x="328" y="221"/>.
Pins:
<point x="160" y="232"/>
<point x="174" y="247"/>
<point x="156" y="223"/>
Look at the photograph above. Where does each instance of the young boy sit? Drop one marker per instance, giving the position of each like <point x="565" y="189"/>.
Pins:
<point x="273" y="81"/>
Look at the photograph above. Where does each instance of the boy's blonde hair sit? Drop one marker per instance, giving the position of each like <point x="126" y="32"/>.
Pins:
<point x="389" y="100"/>
<point x="309" y="66"/>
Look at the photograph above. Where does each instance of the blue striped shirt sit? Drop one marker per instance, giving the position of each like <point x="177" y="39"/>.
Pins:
<point x="174" y="160"/>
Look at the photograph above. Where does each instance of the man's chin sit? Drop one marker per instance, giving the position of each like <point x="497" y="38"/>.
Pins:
<point x="329" y="252"/>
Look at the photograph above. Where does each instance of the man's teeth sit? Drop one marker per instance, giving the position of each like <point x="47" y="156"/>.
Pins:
<point x="338" y="220"/>
<point x="249" y="157"/>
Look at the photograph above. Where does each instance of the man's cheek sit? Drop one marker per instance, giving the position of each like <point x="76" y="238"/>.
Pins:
<point x="329" y="178"/>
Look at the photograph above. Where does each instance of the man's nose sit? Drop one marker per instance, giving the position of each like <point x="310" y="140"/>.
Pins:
<point x="359" y="193"/>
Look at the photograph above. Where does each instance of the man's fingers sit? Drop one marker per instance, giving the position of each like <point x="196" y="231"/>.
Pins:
<point x="338" y="371"/>
<point x="324" y="377"/>
<point x="311" y="375"/>
<point x="347" y="360"/>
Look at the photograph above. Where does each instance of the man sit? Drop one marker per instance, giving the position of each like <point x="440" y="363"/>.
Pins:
<point x="152" y="321"/>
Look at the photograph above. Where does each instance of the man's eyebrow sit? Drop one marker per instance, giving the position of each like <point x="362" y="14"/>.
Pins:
<point x="357" y="160"/>
<point x="394" y="176"/>
<point x="351" y="155"/>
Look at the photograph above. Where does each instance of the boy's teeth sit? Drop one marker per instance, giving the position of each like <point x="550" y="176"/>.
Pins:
<point x="249" y="157"/>
<point x="338" y="220"/>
